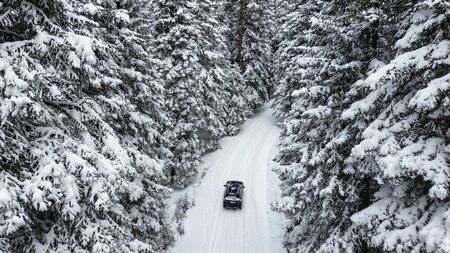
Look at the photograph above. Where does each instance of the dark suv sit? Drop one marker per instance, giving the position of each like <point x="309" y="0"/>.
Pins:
<point x="232" y="197"/>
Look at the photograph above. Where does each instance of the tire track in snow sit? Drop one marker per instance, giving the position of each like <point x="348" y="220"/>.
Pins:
<point x="219" y="201"/>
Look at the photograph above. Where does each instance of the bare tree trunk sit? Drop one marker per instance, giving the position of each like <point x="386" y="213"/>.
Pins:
<point x="241" y="32"/>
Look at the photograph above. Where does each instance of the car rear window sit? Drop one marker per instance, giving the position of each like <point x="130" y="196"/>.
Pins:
<point x="233" y="190"/>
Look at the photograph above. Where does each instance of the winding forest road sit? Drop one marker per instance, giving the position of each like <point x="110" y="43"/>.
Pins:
<point x="255" y="229"/>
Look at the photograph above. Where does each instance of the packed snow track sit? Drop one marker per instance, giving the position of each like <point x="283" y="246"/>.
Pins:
<point x="247" y="157"/>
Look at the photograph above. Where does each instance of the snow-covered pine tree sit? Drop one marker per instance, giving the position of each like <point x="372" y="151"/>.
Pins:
<point x="81" y="157"/>
<point x="249" y="38"/>
<point x="291" y="76"/>
<point x="365" y="167"/>
<point x="323" y="49"/>
<point x="401" y="112"/>
<point x="141" y="124"/>
<point x="204" y="92"/>
<point x="226" y="88"/>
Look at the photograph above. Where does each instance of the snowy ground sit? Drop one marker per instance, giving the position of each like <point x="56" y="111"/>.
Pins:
<point x="255" y="229"/>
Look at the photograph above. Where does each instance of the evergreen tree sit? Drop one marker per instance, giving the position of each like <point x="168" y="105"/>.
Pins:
<point x="364" y="136"/>
<point x="249" y="39"/>
<point x="404" y="108"/>
<point x="81" y="156"/>
<point x="317" y="61"/>
<point x="203" y="90"/>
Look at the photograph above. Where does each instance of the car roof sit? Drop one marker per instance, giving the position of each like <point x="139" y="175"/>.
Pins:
<point x="234" y="182"/>
<point x="233" y="188"/>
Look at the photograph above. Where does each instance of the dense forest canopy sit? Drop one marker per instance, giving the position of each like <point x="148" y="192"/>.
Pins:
<point x="363" y="92"/>
<point x="107" y="106"/>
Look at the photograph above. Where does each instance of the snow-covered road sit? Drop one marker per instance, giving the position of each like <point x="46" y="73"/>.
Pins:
<point x="255" y="229"/>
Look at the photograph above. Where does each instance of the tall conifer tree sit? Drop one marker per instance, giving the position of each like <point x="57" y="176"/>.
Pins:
<point x="203" y="90"/>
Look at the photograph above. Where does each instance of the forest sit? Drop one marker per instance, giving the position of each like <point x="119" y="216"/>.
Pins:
<point x="107" y="107"/>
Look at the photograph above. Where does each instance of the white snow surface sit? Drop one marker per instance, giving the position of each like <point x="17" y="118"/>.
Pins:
<point x="209" y="228"/>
